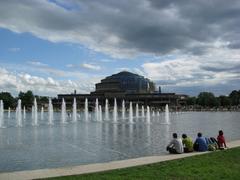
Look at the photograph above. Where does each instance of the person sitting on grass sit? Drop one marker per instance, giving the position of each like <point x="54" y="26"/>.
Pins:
<point x="175" y="146"/>
<point x="221" y="140"/>
<point x="187" y="143"/>
<point x="200" y="143"/>
<point x="212" y="145"/>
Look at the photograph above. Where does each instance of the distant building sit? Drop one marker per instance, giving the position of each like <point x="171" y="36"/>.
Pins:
<point x="125" y="82"/>
<point x="127" y="86"/>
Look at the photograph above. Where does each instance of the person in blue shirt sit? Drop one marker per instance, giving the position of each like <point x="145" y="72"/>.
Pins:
<point x="200" y="143"/>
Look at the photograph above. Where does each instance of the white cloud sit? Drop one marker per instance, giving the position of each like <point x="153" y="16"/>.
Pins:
<point x="70" y="65"/>
<point x="15" y="82"/>
<point x="217" y="67"/>
<point x="91" y="66"/>
<point x="36" y="63"/>
<point x="14" y="49"/>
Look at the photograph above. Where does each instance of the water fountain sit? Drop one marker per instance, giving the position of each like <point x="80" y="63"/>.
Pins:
<point x="100" y="113"/>
<point x="1" y="113"/>
<point x="24" y="112"/>
<point x="167" y="114"/>
<point x="148" y="115"/>
<point x="96" y="110"/>
<point x="35" y="112"/>
<point x="115" y="111"/>
<point x="106" y="110"/>
<point x="63" y="111"/>
<point x="42" y="113"/>
<point x="143" y="111"/>
<point x="74" y="117"/>
<point x="32" y="112"/>
<point x="50" y="111"/>
<point x="130" y="113"/>
<point x="9" y="113"/>
<point x="123" y="109"/>
<point x="86" y="109"/>
<point x="137" y="111"/>
<point x="153" y="113"/>
<point x="158" y="113"/>
<point x="19" y="113"/>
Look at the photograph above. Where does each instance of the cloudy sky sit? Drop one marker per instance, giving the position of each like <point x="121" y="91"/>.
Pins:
<point x="56" y="46"/>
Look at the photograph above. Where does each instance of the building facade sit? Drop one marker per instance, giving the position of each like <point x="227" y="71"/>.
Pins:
<point x="125" y="86"/>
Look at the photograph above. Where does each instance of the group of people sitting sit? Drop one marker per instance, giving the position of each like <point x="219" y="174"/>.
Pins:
<point x="201" y="144"/>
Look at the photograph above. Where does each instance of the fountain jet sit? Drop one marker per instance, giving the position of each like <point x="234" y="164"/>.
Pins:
<point x="123" y="109"/>
<point x="50" y="111"/>
<point x="74" y="117"/>
<point x="1" y="113"/>
<point x="130" y="113"/>
<point x="63" y="111"/>
<point x="115" y="111"/>
<point x="106" y="110"/>
<point x="167" y="114"/>
<point x="86" y="109"/>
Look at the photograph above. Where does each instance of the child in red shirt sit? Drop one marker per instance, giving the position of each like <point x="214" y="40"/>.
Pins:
<point x="221" y="140"/>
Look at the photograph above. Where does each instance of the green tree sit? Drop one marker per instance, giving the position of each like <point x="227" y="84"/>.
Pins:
<point x="8" y="99"/>
<point x="224" y="101"/>
<point x="191" y="100"/>
<point x="235" y="97"/>
<point x="27" y="98"/>
<point x="207" y="99"/>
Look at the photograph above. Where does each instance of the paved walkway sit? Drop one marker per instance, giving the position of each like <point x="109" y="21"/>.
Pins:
<point x="90" y="168"/>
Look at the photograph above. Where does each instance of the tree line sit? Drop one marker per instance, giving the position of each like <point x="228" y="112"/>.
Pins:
<point x="27" y="99"/>
<point x="207" y="99"/>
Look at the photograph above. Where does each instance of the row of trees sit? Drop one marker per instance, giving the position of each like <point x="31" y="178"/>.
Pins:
<point x="207" y="99"/>
<point x="26" y="97"/>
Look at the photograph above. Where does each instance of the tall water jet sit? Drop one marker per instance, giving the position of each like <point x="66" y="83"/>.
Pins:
<point x="42" y="113"/>
<point x="35" y="112"/>
<point x="86" y="109"/>
<point x="137" y="111"/>
<point x="74" y="117"/>
<point x="9" y="112"/>
<point x="96" y="110"/>
<point x="153" y="113"/>
<point x="50" y="111"/>
<point x="100" y="113"/>
<point x="106" y="110"/>
<point x="158" y="113"/>
<point x="167" y="114"/>
<point x="115" y="110"/>
<point x="1" y="113"/>
<point x="123" y="109"/>
<point x="24" y="112"/>
<point x="148" y="114"/>
<point x="130" y="113"/>
<point x="63" y="111"/>
<point x="19" y="113"/>
<point x="143" y="113"/>
<point x="32" y="112"/>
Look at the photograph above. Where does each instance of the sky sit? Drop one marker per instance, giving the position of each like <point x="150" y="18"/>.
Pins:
<point x="58" y="46"/>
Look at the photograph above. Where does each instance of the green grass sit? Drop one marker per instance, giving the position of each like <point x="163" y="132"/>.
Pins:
<point x="217" y="165"/>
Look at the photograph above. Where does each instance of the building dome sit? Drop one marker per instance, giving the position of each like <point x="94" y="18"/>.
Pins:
<point x="126" y="82"/>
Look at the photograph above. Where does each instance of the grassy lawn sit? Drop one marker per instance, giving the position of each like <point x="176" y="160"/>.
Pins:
<point x="217" y="165"/>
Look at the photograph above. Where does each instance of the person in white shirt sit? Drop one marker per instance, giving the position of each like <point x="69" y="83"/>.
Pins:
<point x="175" y="146"/>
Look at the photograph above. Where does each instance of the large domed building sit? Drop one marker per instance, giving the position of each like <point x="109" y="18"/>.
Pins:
<point x="125" y="82"/>
<point x="125" y="86"/>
